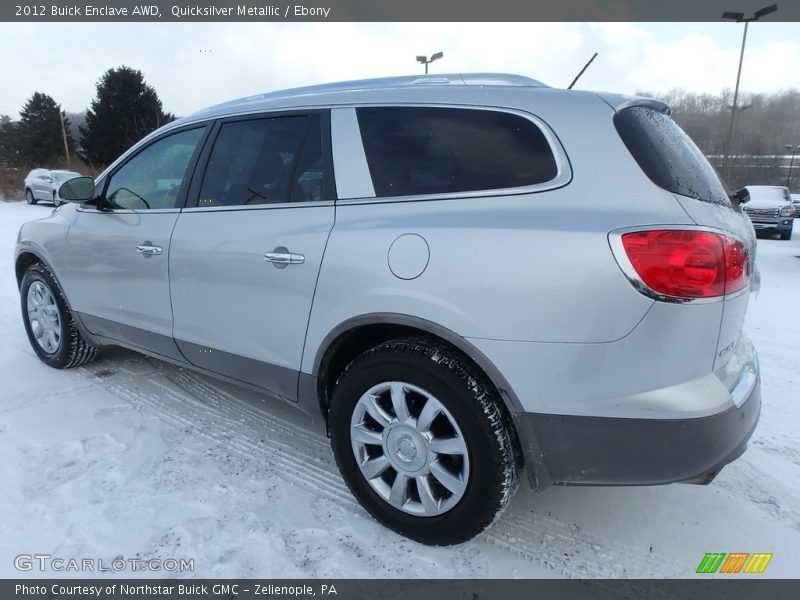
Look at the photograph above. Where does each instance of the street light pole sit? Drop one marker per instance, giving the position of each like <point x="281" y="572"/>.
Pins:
<point x="726" y="166"/>
<point x="740" y="18"/>
<point x="426" y="61"/>
<point x="794" y="152"/>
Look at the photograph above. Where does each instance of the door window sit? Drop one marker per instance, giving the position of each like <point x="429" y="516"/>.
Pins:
<point x="155" y="177"/>
<point x="265" y="161"/>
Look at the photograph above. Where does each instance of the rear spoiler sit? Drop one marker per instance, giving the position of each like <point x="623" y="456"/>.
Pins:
<point x="619" y="102"/>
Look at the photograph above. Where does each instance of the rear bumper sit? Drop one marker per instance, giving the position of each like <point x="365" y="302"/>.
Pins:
<point x="575" y="450"/>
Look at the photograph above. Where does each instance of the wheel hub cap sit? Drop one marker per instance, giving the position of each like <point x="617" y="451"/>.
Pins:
<point x="43" y="317"/>
<point x="407" y="450"/>
<point x="410" y="449"/>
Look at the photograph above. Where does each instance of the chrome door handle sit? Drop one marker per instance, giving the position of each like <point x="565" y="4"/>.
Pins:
<point x="147" y="250"/>
<point x="287" y="258"/>
<point x="280" y="257"/>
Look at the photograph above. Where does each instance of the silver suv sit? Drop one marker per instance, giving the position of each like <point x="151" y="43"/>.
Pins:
<point x="770" y="208"/>
<point x="454" y="277"/>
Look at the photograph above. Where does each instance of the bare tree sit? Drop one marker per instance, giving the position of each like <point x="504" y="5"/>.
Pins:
<point x="765" y="123"/>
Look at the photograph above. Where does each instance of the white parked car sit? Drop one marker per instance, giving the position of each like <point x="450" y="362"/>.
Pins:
<point x="43" y="184"/>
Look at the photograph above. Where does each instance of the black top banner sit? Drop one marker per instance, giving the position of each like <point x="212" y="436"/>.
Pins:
<point x="391" y="10"/>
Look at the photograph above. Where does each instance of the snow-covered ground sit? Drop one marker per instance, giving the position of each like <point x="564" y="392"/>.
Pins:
<point x="132" y="457"/>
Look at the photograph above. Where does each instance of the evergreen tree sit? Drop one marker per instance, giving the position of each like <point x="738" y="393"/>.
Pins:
<point x="8" y="143"/>
<point x="38" y="135"/>
<point x="125" y="110"/>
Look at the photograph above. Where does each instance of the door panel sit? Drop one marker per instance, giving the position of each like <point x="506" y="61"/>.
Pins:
<point x="107" y="277"/>
<point x="229" y="300"/>
<point x="244" y="261"/>
<point x="117" y="259"/>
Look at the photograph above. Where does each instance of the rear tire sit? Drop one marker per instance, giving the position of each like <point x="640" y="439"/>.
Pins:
<point x="440" y="479"/>
<point x="48" y="322"/>
<point x="29" y="197"/>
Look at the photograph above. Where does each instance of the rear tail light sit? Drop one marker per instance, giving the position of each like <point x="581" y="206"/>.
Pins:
<point x="687" y="263"/>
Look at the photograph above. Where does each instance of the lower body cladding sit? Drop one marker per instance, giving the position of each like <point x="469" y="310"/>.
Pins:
<point x="570" y="450"/>
<point x="577" y="427"/>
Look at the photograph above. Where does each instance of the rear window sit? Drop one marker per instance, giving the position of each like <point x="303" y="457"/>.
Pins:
<point x="422" y="150"/>
<point x="668" y="156"/>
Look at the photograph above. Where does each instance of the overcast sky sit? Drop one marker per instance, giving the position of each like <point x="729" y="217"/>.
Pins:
<point x="193" y="65"/>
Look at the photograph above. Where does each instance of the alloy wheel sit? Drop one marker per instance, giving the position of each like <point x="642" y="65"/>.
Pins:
<point x="44" y="317"/>
<point x="410" y="449"/>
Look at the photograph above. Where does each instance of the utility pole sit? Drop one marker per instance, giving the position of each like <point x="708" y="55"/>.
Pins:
<point x="64" y="136"/>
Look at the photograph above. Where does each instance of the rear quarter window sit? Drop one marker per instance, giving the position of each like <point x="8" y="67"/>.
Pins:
<point x="424" y="150"/>
<point x="668" y="156"/>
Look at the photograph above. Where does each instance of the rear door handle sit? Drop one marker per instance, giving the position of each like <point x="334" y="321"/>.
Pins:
<point x="148" y="249"/>
<point x="280" y="257"/>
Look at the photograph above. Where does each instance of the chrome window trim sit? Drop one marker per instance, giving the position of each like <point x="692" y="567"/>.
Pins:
<point x="563" y="167"/>
<point x="618" y="251"/>
<point x="127" y="211"/>
<point x="265" y="206"/>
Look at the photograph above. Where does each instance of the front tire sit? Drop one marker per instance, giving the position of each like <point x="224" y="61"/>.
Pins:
<point x="48" y="322"/>
<point x="29" y="197"/>
<point x="423" y="441"/>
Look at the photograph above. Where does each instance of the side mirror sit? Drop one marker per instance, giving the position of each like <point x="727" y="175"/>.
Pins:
<point x="741" y="197"/>
<point x="79" y="189"/>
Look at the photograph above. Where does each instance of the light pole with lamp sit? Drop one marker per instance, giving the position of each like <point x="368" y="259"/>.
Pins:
<point x="740" y="18"/>
<point x="425" y="61"/>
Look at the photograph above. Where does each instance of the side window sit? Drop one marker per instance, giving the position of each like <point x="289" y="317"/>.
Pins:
<point x="261" y="161"/>
<point x="421" y="150"/>
<point x="309" y="174"/>
<point x="154" y="177"/>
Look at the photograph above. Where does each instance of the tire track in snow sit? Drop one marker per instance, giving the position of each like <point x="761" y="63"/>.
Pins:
<point x="745" y="480"/>
<point x="777" y="447"/>
<point x="187" y="414"/>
